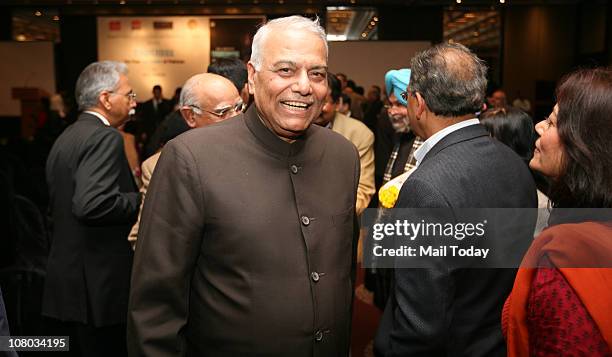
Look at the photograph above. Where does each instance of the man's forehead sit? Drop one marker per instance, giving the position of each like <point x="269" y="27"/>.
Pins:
<point x="280" y="46"/>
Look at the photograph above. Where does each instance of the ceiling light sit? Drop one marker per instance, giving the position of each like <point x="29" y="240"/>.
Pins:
<point x="37" y="13"/>
<point x="375" y="18"/>
<point x="458" y="1"/>
<point x="55" y="18"/>
<point x="122" y="2"/>
<point x="502" y="1"/>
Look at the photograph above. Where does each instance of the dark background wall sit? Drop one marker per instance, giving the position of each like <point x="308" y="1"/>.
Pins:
<point x="409" y="23"/>
<point x="542" y="43"/>
<point x="78" y="48"/>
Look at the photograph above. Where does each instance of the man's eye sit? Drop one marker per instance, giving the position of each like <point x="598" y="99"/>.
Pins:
<point x="285" y="71"/>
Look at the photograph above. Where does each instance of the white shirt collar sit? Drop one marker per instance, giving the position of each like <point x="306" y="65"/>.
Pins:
<point x="419" y="154"/>
<point x="100" y="116"/>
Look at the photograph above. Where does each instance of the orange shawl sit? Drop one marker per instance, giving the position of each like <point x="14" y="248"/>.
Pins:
<point x="566" y="245"/>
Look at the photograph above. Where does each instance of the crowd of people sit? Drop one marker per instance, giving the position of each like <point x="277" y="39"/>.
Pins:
<point x="225" y="221"/>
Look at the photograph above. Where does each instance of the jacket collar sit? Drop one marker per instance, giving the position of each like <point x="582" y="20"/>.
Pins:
<point x="463" y="134"/>
<point x="277" y="146"/>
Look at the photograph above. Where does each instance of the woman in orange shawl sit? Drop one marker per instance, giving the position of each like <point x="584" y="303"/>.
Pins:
<point x="561" y="302"/>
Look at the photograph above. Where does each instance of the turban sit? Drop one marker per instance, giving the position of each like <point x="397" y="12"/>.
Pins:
<point x="396" y="80"/>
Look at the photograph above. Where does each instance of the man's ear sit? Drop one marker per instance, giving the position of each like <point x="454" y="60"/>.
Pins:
<point x="188" y="116"/>
<point x="251" y="71"/>
<point x="421" y="105"/>
<point x="103" y="100"/>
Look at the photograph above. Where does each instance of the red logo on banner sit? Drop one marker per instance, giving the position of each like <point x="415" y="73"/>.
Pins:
<point x="136" y="24"/>
<point x="162" y="25"/>
<point x="114" y="25"/>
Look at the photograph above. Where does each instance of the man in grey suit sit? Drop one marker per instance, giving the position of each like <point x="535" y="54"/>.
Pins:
<point x="444" y="310"/>
<point x="94" y="202"/>
<point x="247" y="234"/>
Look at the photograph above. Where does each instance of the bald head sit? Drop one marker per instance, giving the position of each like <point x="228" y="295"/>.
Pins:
<point x="450" y="78"/>
<point x="208" y="98"/>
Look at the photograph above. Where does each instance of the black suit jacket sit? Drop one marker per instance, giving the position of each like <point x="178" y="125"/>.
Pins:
<point x="444" y="311"/>
<point x="150" y="117"/>
<point x="94" y="203"/>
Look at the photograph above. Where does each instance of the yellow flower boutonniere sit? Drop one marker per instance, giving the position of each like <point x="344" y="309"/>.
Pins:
<point x="388" y="194"/>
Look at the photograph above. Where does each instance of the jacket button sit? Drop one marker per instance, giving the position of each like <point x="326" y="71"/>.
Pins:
<point x="305" y="220"/>
<point x="318" y="336"/>
<point x="294" y="169"/>
<point x="314" y="276"/>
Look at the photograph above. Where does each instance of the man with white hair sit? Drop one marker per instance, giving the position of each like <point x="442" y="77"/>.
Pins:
<point x="206" y="99"/>
<point x="94" y="201"/>
<point x="247" y="239"/>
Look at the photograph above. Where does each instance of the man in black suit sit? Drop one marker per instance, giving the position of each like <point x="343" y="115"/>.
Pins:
<point x="152" y="112"/>
<point x="94" y="201"/>
<point x="443" y="310"/>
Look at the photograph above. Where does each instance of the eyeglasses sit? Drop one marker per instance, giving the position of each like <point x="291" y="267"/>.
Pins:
<point x="221" y="112"/>
<point x="130" y="95"/>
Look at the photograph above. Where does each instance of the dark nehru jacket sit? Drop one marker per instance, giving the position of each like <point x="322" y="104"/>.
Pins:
<point x="245" y="246"/>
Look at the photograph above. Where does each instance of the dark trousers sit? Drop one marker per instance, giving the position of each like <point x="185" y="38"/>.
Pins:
<point x="90" y="341"/>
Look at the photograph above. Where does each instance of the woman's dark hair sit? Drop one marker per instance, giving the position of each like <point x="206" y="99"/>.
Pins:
<point x="584" y="123"/>
<point x="512" y="127"/>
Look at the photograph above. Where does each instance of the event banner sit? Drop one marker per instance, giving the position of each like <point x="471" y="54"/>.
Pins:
<point x="452" y="238"/>
<point x="158" y="50"/>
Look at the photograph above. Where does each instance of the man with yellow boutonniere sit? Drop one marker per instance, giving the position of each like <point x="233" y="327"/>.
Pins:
<point x="439" y="308"/>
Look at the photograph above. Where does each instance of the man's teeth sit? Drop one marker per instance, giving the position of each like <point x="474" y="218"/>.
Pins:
<point x="296" y="105"/>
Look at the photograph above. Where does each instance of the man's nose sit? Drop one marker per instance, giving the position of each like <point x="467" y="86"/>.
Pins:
<point x="302" y="84"/>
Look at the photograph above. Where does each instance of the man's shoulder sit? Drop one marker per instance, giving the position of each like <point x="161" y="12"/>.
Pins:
<point x="352" y="128"/>
<point x="331" y="139"/>
<point x="149" y="164"/>
<point x="224" y="134"/>
<point x="87" y="128"/>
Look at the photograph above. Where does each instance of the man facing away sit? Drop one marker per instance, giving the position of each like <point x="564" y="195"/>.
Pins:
<point x="442" y="310"/>
<point x="248" y="227"/>
<point x="206" y="99"/>
<point x="94" y="201"/>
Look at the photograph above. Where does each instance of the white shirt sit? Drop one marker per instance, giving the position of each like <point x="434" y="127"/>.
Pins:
<point x="100" y="116"/>
<point x="419" y="154"/>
